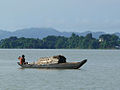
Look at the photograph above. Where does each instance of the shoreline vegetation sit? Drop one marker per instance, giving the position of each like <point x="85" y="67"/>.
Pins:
<point x="105" y="41"/>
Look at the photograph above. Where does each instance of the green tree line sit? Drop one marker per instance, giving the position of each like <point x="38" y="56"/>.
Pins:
<point x="105" y="41"/>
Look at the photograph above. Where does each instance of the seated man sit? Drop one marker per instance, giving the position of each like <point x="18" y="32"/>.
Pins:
<point x="20" y="58"/>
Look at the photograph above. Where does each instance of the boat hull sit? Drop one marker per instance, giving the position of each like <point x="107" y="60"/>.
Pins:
<point x="72" y="65"/>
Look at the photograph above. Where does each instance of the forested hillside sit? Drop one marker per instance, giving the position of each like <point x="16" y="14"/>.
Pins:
<point x="105" y="41"/>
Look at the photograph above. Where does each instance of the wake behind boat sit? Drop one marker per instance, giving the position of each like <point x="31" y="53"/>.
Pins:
<point x="55" y="62"/>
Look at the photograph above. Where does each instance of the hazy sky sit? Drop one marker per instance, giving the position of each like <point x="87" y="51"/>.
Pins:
<point x="64" y="15"/>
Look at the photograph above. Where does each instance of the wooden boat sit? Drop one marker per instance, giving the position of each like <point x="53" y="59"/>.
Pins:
<point x="67" y="65"/>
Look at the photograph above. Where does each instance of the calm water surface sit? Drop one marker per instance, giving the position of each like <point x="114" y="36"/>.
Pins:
<point x="101" y="72"/>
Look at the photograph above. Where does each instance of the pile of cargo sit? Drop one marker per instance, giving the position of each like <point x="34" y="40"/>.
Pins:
<point x="51" y="60"/>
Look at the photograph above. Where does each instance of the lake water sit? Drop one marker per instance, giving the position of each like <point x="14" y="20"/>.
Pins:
<point x="101" y="72"/>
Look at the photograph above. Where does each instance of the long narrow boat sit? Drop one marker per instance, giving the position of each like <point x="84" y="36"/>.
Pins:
<point x="67" y="65"/>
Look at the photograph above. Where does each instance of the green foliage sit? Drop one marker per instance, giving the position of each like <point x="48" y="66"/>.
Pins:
<point x="14" y="42"/>
<point x="59" y="42"/>
<point x="109" y="41"/>
<point x="73" y="41"/>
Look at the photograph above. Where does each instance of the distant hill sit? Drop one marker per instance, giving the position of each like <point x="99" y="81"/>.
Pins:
<point x="4" y="34"/>
<point x="117" y="33"/>
<point x="44" y="32"/>
<point x="36" y="32"/>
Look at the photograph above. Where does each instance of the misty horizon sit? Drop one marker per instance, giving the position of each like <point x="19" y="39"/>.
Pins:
<point x="55" y="29"/>
<point x="63" y="15"/>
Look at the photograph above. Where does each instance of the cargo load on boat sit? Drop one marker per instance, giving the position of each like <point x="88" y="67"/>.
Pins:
<point x="51" y="60"/>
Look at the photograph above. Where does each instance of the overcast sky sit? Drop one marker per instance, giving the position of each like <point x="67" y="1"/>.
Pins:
<point x="64" y="15"/>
